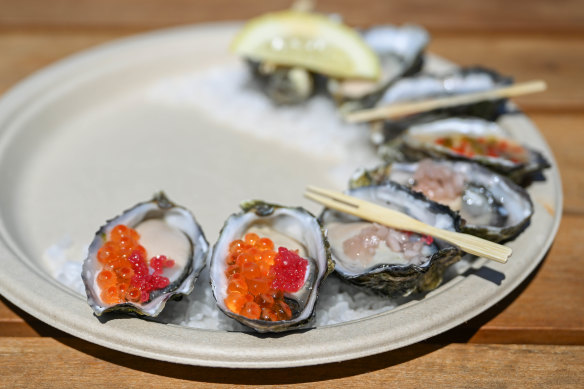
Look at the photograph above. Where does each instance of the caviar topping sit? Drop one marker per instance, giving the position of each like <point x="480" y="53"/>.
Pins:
<point x="258" y="276"/>
<point x="127" y="276"/>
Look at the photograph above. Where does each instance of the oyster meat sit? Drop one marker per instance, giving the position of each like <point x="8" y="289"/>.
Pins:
<point x="299" y="239"/>
<point x="388" y="261"/>
<point x="143" y="257"/>
<point x="467" y="139"/>
<point x="491" y="206"/>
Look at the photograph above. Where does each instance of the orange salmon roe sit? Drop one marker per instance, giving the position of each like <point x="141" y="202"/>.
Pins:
<point x="257" y="277"/>
<point x="125" y="275"/>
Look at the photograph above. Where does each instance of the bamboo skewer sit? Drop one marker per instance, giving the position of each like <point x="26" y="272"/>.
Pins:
<point x="403" y="109"/>
<point x="390" y="218"/>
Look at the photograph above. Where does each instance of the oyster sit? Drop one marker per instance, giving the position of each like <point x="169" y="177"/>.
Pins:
<point x="292" y="228"/>
<point x="460" y="81"/>
<point x="284" y="85"/>
<point x="400" y="50"/>
<point x="385" y="260"/>
<point x="425" y="86"/>
<point x="168" y="234"/>
<point x="400" y="53"/>
<point x="467" y="139"/>
<point x="491" y="206"/>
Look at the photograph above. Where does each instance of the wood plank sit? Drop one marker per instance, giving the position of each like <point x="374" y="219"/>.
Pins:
<point x="14" y="322"/>
<point x="558" y="61"/>
<point x="563" y="133"/>
<point x="36" y="362"/>
<point x="447" y="15"/>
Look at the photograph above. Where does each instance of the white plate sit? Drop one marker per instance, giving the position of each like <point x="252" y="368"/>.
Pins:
<point x="89" y="136"/>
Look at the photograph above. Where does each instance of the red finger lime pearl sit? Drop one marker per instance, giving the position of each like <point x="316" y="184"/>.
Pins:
<point x="258" y="276"/>
<point x="126" y="275"/>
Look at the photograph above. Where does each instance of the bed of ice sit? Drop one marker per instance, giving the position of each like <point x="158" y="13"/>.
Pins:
<point x="309" y="127"/>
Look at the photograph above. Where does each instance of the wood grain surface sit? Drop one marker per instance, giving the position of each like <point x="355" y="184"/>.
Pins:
<point x="57" y="361"/>
<point x="533" y="338"/>
<point x="533" y="16"/>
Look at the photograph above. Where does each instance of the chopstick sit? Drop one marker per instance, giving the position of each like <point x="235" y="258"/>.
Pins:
<point x="403" y="109"/>
<point x="390" y="218"/>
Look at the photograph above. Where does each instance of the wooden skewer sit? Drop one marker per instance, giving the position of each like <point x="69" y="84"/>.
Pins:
<point x="403" y="109"/>
<point x="390" y="218"/>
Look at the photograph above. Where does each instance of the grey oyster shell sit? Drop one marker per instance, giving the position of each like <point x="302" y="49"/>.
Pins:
<point x="182" y="280"/>
<point x="386" y="275"/>
<point x="400" y="50"/>
<point x="418" y="142"/>
<point x="284" y="85"/>
<point x="460" y="81"/>
<point x="293" y="222"/>
<point x="490" y="205"/>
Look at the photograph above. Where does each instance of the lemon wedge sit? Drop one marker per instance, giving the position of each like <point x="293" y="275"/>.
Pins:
<point x="307" y="40"/>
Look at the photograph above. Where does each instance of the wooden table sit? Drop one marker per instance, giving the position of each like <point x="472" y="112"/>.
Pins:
<point x="534" y="337"/>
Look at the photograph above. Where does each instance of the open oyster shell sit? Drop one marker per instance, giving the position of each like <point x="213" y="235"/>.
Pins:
<point x="491" y="206"/>
<point x="424" y="86"/>
<point x="440" y="139"/>
<point x="162" y="225"/>
<point x="285" y="224"/>
<point x="365" y="253"/>
<point x="285" y="85"/>
<point x="400" y="50"/>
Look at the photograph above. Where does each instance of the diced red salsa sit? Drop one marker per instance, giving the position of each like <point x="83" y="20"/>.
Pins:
<point x="490" y="146"/>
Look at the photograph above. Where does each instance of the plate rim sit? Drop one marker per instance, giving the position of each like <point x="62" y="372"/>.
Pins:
<point x="275" y="351"/>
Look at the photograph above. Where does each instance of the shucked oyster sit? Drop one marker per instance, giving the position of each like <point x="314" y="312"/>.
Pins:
<point x="267" y="266"/>
<point x="142" y="258"/>
<point x="491" y="206"/>
<point x="397" y="49"/>
<point x="469" y="139"/>
<point x="386" y="260"/>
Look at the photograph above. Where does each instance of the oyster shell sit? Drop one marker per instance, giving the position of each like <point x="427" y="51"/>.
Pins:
<point x="400" y="53"/>
<point x="460" y="81"/>
<point x="491" y="206"/>
<point x="467" y="139"/>
<point x="388" y="261"/>
<point x="294" y="228"/>
<point x="284" y="85"/>
<point x="165" y="229"/>
<point x="425" y="86"/>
